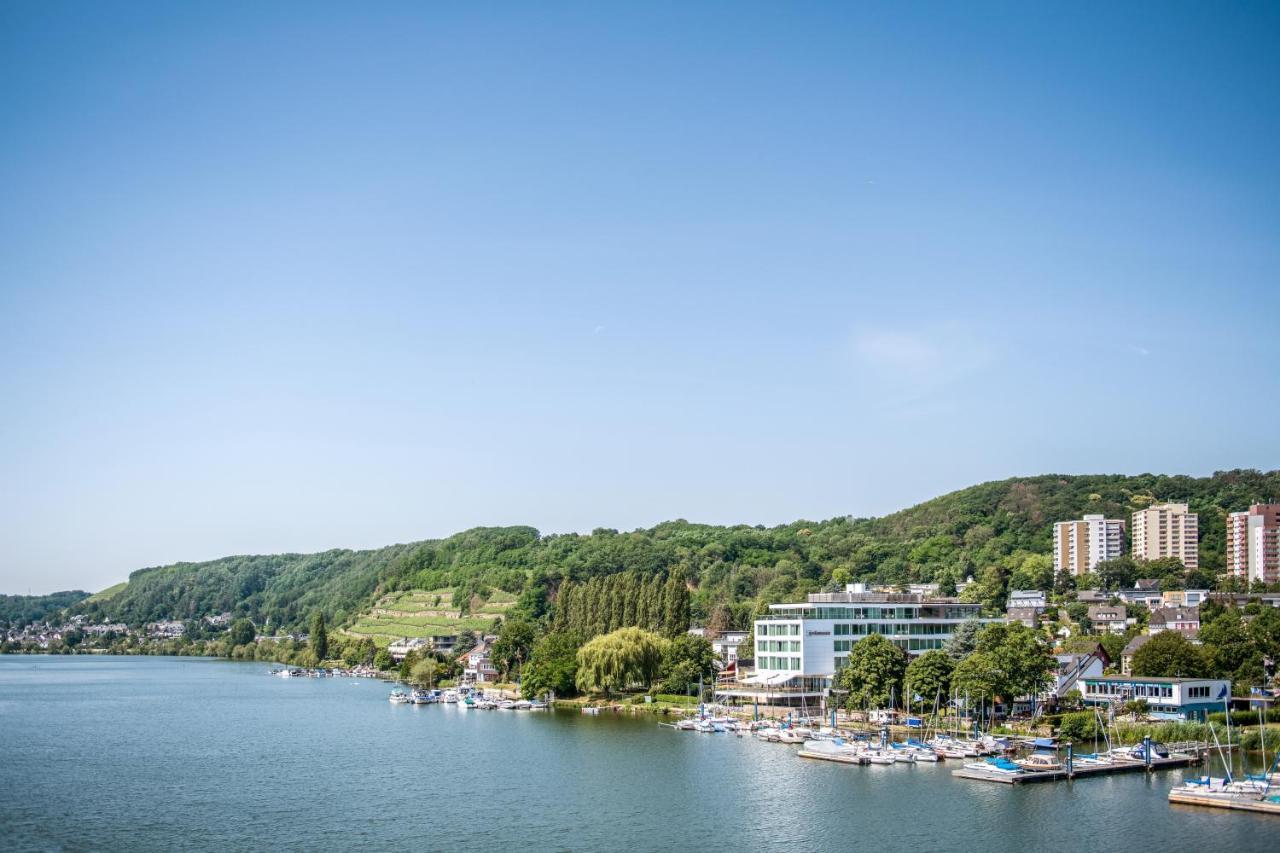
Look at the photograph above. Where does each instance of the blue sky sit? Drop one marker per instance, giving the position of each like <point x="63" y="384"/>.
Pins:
<point x="297" y="276"/>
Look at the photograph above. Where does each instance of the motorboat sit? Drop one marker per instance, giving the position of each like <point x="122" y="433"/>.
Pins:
<point x="997" y="764"/>
<point x="1039" y="761"/>
<point x="399" y="697"/>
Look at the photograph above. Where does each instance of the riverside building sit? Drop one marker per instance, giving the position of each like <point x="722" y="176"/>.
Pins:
<point x="1078" y="546"/>
<point x="799" y="648"/>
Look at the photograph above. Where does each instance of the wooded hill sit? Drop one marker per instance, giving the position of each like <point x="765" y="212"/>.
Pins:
<point x="987" y="531"/>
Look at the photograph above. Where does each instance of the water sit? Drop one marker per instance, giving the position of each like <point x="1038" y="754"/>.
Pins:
<point x="138" y="754"/>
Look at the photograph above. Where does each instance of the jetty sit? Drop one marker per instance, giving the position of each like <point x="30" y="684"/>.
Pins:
<point x="1079" y="771"/>
<point x="1241" y="802"/>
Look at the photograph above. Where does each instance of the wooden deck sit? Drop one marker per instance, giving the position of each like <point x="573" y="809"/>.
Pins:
<point x="838" y="757"/>
<point x="1079" y="772"/>
<point x="1244" y="804"/>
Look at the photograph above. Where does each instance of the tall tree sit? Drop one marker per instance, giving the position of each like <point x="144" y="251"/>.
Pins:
<point x="511" y="649"/>
<point x="552" y="666"/>
<point x="873" y="673"/>
<point x="929" y="677"/>
<point x="676" y="611"/>
<point x="1170" y="655"/>
<point x="319" y="637"/>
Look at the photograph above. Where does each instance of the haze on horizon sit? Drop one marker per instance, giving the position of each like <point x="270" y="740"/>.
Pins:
<point x="292" y="277"/>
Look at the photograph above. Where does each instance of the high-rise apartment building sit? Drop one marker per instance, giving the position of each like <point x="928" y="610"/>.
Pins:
<point x="1078" y="546"/>
<point x="1167" y="530"/>
<point x="1253" y="543"/>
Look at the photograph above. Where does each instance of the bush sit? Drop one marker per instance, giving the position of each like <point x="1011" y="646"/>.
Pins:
<point x="1078" y="726"/>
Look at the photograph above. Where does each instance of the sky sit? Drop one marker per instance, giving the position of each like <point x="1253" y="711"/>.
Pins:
<point x="294" y="276"/>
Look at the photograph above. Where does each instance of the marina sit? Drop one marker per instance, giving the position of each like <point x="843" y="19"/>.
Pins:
<point x="118" y="719"/>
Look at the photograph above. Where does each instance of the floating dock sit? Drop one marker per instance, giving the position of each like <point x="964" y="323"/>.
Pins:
<point x="1078" y="772"/>
<point x="1242" y="802"/>
<point x="838" y="757"/>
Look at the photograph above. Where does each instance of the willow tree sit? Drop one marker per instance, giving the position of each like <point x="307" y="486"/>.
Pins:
<point x="627" y="657"/>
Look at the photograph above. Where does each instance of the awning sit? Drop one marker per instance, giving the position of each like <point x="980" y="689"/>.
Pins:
<point x="775" y="679"/>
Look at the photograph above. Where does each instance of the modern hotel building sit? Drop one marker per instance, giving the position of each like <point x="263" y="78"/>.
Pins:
<point x="800" y="647"/>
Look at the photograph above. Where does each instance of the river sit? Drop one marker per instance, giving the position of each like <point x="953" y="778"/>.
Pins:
<point x="138" y="754"/>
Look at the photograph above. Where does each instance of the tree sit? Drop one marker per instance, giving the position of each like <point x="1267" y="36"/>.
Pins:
<point x="1113" y="645"/>
<point x="1227" y="643"/>
<point x="425" y="672"/>
<point x="929" y="676"/>
<point x="963" y="639"/>
<point x="687" y="660"/>
<point x="1022" y="658"/>
<point x="1119" y="573"/>
<point x="382" y="660"/>
<point x="511" y="649"/>
<point x="319" y="637"/>
<point x="552" y="666"/>
<point x="1034" y="572"/>
<point x="1078" y="726"/>
<point x="976" y="677"/>
<point x="676" y="609"/>
<point x="873" y="673"/>
<point x="241" y="632"/>
<point x="624" y="658"/>
<point x="1170" y="655"/>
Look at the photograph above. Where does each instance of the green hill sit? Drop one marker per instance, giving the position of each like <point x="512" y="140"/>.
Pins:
<point x="991" y="531"/>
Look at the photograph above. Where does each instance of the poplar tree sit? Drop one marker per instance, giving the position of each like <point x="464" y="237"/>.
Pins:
<point x="319" y="637"/>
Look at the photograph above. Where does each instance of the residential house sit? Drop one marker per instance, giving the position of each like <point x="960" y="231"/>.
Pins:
<point x="1184" y="620"/>
<point x="1029" y="598"/>
<point x="476" y="665"/>
<point x="1072" y="667"/>
<point x="1093" y="596"/>
<point x="403" y="646"/>
<point x="1148" y="598"/>
<point x="1109" y="618"/>
<point x="1184" y="597"/>
<point x="1240" y="599"/>
<point x="166" y="630"/>
<point x="1028" y="616"/>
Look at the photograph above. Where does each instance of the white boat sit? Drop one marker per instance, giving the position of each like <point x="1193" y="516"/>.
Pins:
<point x="1039" y="761"/>
<point x="591" y="709"/>
<point x="506" y="705"/>
<point x="450" y="696"/>
<point x="399" y="697"/>
<point x="880" y="756"/>
<point x="537" y="705"/>
<point x="522" y="705"/>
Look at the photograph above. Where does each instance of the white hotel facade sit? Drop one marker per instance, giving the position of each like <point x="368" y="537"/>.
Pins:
<point x="800" y="647"/>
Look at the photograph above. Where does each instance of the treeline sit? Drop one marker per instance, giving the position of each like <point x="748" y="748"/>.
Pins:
<point x="999" y="533"/>
<point x="606" y="603"/>
<point x="21" y="610"/>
